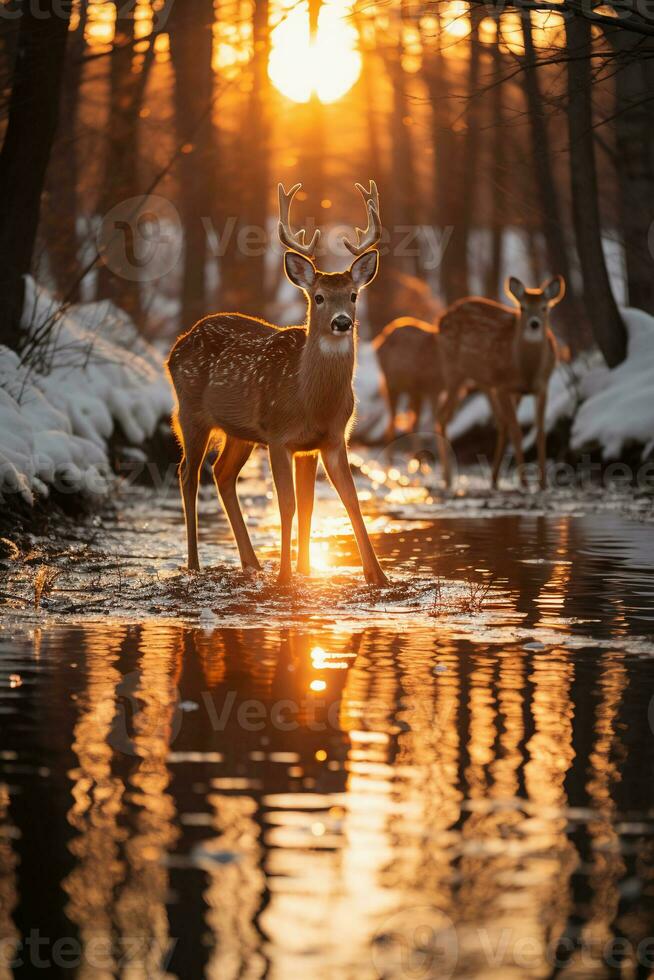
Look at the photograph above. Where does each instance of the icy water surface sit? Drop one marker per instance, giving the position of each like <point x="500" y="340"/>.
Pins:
<point x="202" y="778"/>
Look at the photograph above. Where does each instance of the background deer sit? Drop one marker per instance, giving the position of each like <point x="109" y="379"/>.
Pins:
<point x="506" y="352"/>
<point x="407" y="351"/>
<point x="288" y="388"/>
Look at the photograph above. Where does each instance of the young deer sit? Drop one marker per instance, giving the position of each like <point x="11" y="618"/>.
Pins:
<point x="288" y="388"/>
<point x="507" y="353"/>
<point x="407" y="351"/>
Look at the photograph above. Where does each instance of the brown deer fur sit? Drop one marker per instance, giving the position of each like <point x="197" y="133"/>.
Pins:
<point x="407" y="351"/>
<point x="507" y="352"/>
<point x="288" y="388"/>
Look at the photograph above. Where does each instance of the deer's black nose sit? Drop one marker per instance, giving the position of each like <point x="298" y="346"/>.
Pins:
<point x="341" y="323"/>
<point x="534" y="323"/>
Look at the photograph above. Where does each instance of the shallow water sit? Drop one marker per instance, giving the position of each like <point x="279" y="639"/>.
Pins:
<point x="202" y="778"/>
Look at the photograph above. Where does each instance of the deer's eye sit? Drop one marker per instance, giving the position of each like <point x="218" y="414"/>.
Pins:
<point x="319" y="298"/>
<point x="353" y="297"/>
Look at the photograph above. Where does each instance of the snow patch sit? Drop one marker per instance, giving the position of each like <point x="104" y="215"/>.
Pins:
<point x="618" y="405"/>
<point x="55" y="421"/>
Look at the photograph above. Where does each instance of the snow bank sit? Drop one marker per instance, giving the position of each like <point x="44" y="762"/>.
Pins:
<point x="55" y="421"/>
<point x="617" y="409"/>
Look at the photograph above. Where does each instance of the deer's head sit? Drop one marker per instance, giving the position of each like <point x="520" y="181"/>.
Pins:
<point x="535" y="305"/>
<point x="332" y="296"/>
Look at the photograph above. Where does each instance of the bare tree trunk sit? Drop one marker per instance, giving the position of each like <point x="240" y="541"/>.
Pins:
<point x="312" y="156"/>
<point x="634" y="133"/>
<point x="380" y="294"/>
<point x="60" y="205"/>
<point x="571" y="311"/>
<point x="191" y="41"/>
<point x="401" y="206"/>
<point x="608" y="326"/>
<point x="260" y="125"/>
<point x="33" y="115"/>
<point x="498" y="165"/>
<point x="122" y="161"/>
<point x="464" y="200"/>
<point x="446" y="148"/>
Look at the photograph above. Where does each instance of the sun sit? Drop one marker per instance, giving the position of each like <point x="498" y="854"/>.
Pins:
<point x="327" y="65"/>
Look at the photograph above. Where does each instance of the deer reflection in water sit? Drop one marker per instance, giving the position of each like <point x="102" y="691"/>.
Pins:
<point x="397" y="785"/>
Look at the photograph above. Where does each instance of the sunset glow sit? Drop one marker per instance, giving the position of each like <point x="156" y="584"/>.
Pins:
<point x="326" y="66"/>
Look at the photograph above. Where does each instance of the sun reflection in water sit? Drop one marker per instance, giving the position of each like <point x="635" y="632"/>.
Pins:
<point x="320" y="559"/>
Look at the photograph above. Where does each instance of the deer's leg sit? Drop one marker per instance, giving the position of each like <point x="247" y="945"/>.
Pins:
<point x="226" y="469"/>
<point x="441" y="443"/>
<point x="305" y="479"/>
<point x="338" y="470"/>
<point x="448" y="401"/>
<point x="541" y="436"/>
<point x="194" y="440"/>
<point x="509" y="411"/>
<point x="391" y="401"/>
<point x="282" y="470"/>
<point x="415" y="407"/>
<point x="500" y="442"/>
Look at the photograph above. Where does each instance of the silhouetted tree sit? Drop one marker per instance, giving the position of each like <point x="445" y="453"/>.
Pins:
<point x="465" y="200"/>
<point x="576" y="324"/>
<point x="608" y="326"/>
<point x="634" y="132"/>
<point x="499" y="139"/>
<point x="33" y="114"/>
<point x="259" y="181"/>
<point x="191" y="46"/>
<point x="446" y="144"/>
<point x="128" y="78"/>
<point x="61" y="204"/>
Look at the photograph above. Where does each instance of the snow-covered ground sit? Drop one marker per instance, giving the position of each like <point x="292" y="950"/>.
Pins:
<point x="617" y="410"/>
<point x="56" y="420"/>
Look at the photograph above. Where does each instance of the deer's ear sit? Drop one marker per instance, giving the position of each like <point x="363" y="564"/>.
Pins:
<point x="514" y="287"/>
<point x="554" y="290"/>
<point x="300" y="270"/>
<point x="364" y="269"/>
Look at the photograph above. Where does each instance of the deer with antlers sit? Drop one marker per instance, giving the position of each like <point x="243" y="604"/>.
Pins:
<point x="506" y="352"/>
<point x="287" y="388"/>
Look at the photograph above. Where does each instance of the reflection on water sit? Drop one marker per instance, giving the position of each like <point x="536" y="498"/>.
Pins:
<point x="401" y="801"/>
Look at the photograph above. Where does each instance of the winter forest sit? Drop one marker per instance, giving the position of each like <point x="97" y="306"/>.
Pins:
<point x="326" y="488"/>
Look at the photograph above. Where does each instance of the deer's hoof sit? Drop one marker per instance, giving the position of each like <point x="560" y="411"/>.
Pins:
<point x="377" y="579"/>
<point x="251" y="568"/>
<point x="284" y="578"/>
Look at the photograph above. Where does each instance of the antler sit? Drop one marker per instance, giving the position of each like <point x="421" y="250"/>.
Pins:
<point x="371" y="235"/>
<point x="289" y="238"/>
